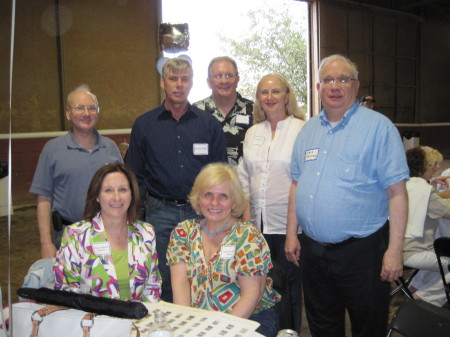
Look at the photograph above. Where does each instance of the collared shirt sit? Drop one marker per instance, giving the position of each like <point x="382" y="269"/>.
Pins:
<point x="343" y="173"/>
<point x="166" y="155"/>
<point x="85" y="262"/>
<point x="265" y="172"/>
<point x="65" y="170"/>
<point x="235" y="124"/>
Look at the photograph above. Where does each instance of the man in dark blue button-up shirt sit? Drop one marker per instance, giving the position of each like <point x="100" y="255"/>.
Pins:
<point x="169" y="145"/>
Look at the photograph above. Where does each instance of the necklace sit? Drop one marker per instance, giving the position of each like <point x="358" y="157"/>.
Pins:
<point x="219" y="231"/>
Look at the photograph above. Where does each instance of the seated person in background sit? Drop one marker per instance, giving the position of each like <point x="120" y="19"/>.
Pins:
<point x="425" y="210"/>
<point x="368" y="101"/>
<point x="221" y="262"/>
<point x="110" y="254"/>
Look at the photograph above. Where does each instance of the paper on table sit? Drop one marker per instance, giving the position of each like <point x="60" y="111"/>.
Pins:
<point x="191" y="322"/>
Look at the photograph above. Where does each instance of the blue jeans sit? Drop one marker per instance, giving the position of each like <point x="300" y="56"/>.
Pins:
<point x="268" y="320"/>
<point x="164" y="216"/>
<point x="276" y="244"/>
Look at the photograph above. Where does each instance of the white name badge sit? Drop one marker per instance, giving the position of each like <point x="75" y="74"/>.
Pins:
<point x="242" y="119"/>
<point x="201" y="149"/>
<point x="258" y="140"/>
<point x="311" y="154"/>
<point x="102" y="248"/>
<point x="227" y="252"/>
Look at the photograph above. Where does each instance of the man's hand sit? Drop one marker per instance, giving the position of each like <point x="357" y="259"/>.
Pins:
<point x="392" y="267"/>
<point x="292" y="249"/>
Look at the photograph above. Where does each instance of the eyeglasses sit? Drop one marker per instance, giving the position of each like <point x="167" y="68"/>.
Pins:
<point x="369" y="101"/>
<point x="339" y="80"/>
<point x="82" y="108"/>
<point x="228" y="76"/>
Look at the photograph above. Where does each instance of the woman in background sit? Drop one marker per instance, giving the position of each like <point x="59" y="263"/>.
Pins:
<point x="265" y="171"/>
<point x="221" y="262"/>
<point x="426" y="207"/>
<point x="110" y="253"/>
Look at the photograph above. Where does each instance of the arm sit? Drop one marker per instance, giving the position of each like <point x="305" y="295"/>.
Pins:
<point x="44" y="211"/>
<point x="445" y="194"/>
<point x="181" y="288"/>
<point x="292" y="245"/>
<point x="398" y="213"/>
<point x="252" y="289"/>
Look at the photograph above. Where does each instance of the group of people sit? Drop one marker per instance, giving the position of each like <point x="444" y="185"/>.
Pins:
<point x="228" y="187"/>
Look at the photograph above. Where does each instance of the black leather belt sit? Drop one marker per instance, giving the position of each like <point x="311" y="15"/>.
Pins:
<point x="337" y="244"/>
<point x="177" y="202"/>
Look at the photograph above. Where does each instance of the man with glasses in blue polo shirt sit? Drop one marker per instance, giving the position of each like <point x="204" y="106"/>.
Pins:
<point x="65" y="168"/>
<point x="348" y="176"/>
<point x="169" y="145"/>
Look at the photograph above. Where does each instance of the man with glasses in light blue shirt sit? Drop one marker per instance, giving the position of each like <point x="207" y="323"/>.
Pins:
<point x="348" y="176"/>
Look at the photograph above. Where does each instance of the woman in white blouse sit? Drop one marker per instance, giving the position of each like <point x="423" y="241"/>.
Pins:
<point x="265" y="170"/>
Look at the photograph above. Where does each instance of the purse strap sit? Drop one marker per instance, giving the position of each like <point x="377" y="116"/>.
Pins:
<point x="87" y="322"/>
<point x="38" y="316"/>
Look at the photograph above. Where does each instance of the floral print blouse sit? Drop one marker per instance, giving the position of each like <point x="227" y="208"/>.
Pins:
<point x="85" y="264"/>
<point x="215" y="285"/>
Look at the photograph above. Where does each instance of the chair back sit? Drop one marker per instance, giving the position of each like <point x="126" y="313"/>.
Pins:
<point x="442" y="249"/>
<point x="420" y="319"/>
<point x="281" y="284"/>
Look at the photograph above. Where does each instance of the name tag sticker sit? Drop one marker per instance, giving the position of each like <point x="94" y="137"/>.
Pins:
<point x="242" y="119"/>
<point x="101" y="248"/>
<point x="311" y="154"/>
<point x="227" y="252"/>
<point x="258" y="140"/>
<point x="201" y="149"/>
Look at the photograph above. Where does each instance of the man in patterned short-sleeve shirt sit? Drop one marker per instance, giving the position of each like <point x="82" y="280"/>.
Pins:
<point x="232" y="110"/>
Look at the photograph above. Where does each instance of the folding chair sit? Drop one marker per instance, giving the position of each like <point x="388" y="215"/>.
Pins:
<point x="442" y="249"/>
<point x="420" y="319"/>
<point x="403" y="284"/>
<point x="281" y="284"/>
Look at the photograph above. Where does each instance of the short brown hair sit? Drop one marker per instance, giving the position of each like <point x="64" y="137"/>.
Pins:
<point x="215" y="174"/>
<point x="92" y="206"/>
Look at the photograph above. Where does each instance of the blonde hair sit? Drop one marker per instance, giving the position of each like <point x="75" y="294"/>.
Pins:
<point x="432" y="156"/>
<point x="215" y="174"/>
<point x="292" y="107"/>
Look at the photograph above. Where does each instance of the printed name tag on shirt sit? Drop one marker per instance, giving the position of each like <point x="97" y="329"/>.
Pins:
<point x="242" y="119"/>
<point x="201" y="149"/>
<point x="101" y="248"/>
<point x="258" y="140"/>
<point x="311" y="154"/>
<point x="227" y="252"/>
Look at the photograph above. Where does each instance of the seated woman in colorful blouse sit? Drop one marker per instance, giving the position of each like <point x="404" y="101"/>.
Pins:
<point x="110" y="253"/>
<point x="426" y="208"/>
<point x="221" y="262"/>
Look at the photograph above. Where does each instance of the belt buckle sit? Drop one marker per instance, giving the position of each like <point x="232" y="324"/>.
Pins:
<point x="181" y="202"/>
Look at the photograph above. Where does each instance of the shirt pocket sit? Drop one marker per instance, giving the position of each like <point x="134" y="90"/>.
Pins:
<point x="348" y="164"/>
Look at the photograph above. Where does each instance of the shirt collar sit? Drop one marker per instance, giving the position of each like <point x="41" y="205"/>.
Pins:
<point x="72" y="144"/>
<point x="345" y="119"/>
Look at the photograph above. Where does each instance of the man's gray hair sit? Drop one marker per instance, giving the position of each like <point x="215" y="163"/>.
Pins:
<point x="326" y="60"/>
<point x="176" y="64"/>
<point x="222" y="59"/>
<point x="84" y="88"/>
